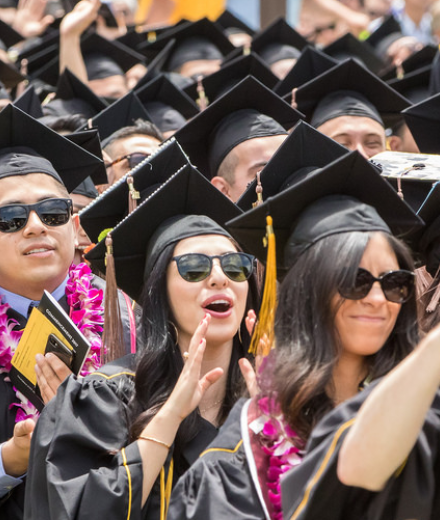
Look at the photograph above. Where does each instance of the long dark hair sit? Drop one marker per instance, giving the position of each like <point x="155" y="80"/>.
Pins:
<point x="307" y="346"/>
<point x="160" y="361"/>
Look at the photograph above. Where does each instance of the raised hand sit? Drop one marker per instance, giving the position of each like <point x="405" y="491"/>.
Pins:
<point x="80" y="18"/>
<point x="15" y="452"/>
<point x="30" y="19"/>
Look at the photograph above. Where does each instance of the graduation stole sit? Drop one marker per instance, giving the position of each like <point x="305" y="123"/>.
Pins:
<point x="86" y="311"/>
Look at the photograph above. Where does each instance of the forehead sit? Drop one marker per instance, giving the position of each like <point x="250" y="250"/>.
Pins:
<point x="134" y="143"/>
<point x="351" y="125"/>
<point x="208" y="244"/>
<point x="259" y="148"/>
<point x="29" y="188"/>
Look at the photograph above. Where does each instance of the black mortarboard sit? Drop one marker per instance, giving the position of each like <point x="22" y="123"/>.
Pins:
<point x="122" y="112"/>
<point x="389" y="26"/>
<point x="299" y="152"/>
<point x="168" y="106"/>
<point x="248" y="110"/>
<point x="419" y="59"/>
<point x="30" y="103"/>
<point x="4" y="94"/>
<point x="321" y="98"/>
<point x="90" y="141"/>
<point x="9" y="75"/>
<point x="185" y="205"/>
<point x="201" y="40"/>
<point x="414" y="86"/>
<point x="434" y="83"/>
<point x="113" y="204"/>
<point x="229" y="21"/>
<point x="8" y="35"/>
<point x="310" y="64"/>
<point x="350" y="47"/>
<point x="73" y="97"/>
<point x="428" y="246"/>
<point x="57" y="156"/>
<point x="39" y="51"/>
<point x="86" y="188"/>
<point x="231" y="73"/>
<point x="136" y="35"/>
<point x="347" y="195"/>
<point x="156" y="66"/>
<point x="423" y="120"/>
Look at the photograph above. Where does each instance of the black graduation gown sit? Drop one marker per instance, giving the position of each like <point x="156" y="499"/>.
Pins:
<point x="81" y="464"/>
<point x="312" y="491"/>
<point x="223" y="483"/>
<point x="12" y="504"/>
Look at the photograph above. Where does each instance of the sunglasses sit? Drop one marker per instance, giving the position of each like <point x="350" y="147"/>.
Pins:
<point x="133" y="159"/>
<point x="52" y="212"/>
<point x="195" y="267"/>
<point x="397" y="286"/>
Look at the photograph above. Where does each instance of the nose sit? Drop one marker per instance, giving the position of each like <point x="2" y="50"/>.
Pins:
<point x="360" y="148"/>
<point x="376" y="295"/>
<point x="217" y="276"/>
<point x="34" y="225"/>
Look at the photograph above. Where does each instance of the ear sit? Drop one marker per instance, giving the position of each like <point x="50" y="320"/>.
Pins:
<point x="76" y="226"/>
<point x="222" y="185"/>
<point x="394" y="143"/>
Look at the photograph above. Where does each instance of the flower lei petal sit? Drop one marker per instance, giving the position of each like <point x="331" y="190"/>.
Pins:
<point x="86" y="311"/>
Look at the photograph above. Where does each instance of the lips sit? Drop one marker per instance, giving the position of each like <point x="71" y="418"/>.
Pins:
<point x="37" y="249"/>
<point x="219" y="306"/>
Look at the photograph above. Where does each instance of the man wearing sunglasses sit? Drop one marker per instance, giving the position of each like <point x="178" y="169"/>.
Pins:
<point x="37" y="245"/>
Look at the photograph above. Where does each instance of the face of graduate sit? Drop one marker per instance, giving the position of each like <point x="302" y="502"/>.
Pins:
<point x="356" y="133"/>
<point x="38" y="256"/>
<point x="281" y="67"/>
<point x="82" y="240"/>
<point x="190" y="301"/>
<point x="244" y="162"/>
<point x="193" y="69"/>
<point x="113" y="87"/>
<point x="363" y="326"/>
<point x="127" y="145"/>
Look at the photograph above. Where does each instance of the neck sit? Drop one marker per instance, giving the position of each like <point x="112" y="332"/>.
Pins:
<point x="347" y="375"/>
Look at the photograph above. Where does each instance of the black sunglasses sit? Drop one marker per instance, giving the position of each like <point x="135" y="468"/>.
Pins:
<point x="133" y="159"/>
<point x="52" y="212"/>
<point x="397" y="286"/>
<point x="195" y="267"/>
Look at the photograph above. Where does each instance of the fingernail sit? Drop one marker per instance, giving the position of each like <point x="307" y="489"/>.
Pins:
<point x="201" y="341"/>
<point x="48" y="355"/>
<point x="39" y="357"/>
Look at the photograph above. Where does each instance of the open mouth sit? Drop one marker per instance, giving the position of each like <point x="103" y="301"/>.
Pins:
<point x="219" y="306"/>
<point x="39" y="250"/>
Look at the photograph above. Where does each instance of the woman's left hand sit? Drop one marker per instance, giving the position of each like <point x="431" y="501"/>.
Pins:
<point x="190" y="387"/>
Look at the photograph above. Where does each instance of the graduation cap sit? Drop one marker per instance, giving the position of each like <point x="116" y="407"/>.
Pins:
<point x="419" y="59"/>
<point x="73" y="97"/>
<point x="87" y="189"/>
<point x="231" y="24"/>
<point x="434" y="83"/>
<point x="9" y="75"/>
<point x="8" y="35"/>
<point x="156" y="66"/>
<point x="231" y="73"/>
<point x="346" y="195"/>
<point x="349" y="89"/>
<point x="39" y="51"/>
<point x="389" y="27"/>
<point x="30" y="103"/>
<point x="277" y="42"/>
<point x="168" y="106"/>
<point x="186" y="205"/>
<point x="428" y="247"/>
<point x="423" y="120"/>
<point x="248" y="110"/>
<point x="414" y="86"/>
<point x="350" y="47"/>
<point x="293" y="160"/>
<point x="57" y="156"/>
<point x="89" y="140"/>
<point x="136" y="35"/>
<point x="310" y="64"/>
<point x="122" y="112"/>
<point x="112" y="206"/>
<point x="201" y="40"/>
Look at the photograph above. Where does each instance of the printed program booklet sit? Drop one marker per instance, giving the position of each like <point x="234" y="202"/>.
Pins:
<point x="49" y="329"/>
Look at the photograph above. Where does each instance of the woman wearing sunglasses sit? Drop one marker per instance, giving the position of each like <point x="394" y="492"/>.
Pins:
<point x="120" y="439"/>
<point x="346" y="316"/>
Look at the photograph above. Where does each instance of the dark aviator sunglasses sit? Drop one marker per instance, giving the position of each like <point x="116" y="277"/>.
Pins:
<point x="52" y="212"/>
<point x="397" y="286"/>
<point x="195" y="267"/>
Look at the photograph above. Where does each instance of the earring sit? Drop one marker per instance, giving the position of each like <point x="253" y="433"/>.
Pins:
<point x="239" y="335"/>
<point x="176" y="333"/>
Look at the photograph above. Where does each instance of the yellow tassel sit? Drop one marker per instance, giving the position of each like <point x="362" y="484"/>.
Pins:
<point x="133" y="195"/>
<point x="263" y="338"/>
<point x="202" y="100"/>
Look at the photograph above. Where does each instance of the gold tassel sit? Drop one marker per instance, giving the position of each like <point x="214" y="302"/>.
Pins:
<point x="246" y="49"/>
<point x="258" y="191"/>
<point x="112" y="338"/>
<point x="263" y="337"/>
<point x="202" y="100"/>
<point x="133" y="195"/>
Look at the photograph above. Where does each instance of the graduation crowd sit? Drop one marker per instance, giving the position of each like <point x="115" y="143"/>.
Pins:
<point x="245" y="226"/>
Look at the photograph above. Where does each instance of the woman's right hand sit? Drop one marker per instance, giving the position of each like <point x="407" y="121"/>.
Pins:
<point x="190" y="387"/>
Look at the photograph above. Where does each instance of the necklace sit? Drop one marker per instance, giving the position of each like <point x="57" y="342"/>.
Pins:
<point x="203" y="410"/>
<point x="86" y="311"/>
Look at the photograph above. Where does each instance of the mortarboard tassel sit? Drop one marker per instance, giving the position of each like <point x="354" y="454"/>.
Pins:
<point x="133" y="195"/>
<point x="112" y="338"/>
<point x="258" y="191"/>
<point x="263" y="336"/>
<point x="202" y="100"/>
<point x="247" y="49"/>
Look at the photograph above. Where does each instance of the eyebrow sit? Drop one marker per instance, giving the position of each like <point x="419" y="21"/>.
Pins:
<point x="43" y="197"/>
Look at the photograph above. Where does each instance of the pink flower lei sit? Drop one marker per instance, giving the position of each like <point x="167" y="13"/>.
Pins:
<point x="86" y="311"/>
<point x="278" y="443"/>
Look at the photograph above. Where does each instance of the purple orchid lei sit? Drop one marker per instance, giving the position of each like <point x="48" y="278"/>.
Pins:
<point x="86" y="311"/>
<point x="278" y="442"/>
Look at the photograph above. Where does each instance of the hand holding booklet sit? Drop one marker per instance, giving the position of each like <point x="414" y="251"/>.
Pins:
<point x="49" y="329"/>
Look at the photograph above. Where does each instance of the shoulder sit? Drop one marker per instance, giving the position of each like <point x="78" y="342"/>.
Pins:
<point x="120" y="368"/>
